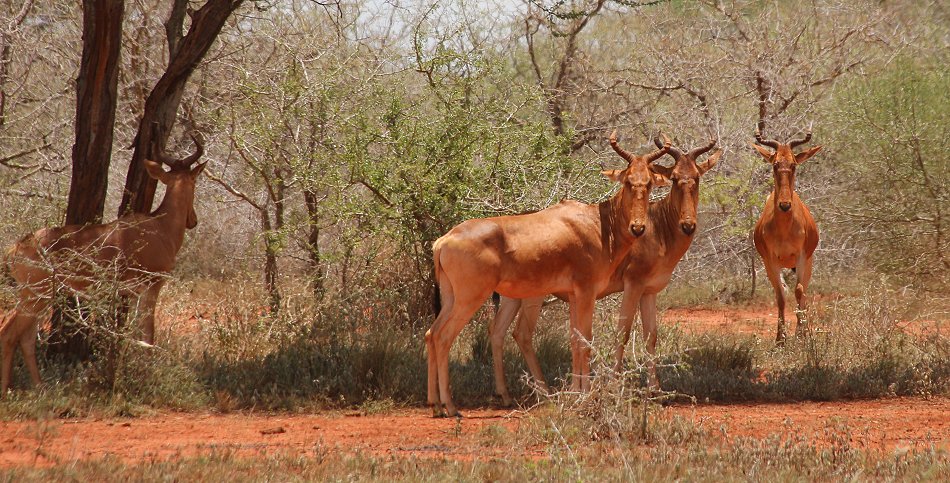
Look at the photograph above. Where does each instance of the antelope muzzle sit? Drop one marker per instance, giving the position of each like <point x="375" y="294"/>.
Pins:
<point x="785" y="205"/>
<point x="637" y="229"/>
<point x="688" y="227"/>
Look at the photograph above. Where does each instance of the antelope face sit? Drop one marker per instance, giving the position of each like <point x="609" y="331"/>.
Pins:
<point x="784" y="163"/>
<point x="638" y="180"/>
<point x="640" y="176"/>
<point x="179" y="183"/>
<point x="684" y="176"/>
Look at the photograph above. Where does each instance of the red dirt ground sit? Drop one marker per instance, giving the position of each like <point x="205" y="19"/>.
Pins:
<point x="889" y="424"/>
<point x="876" y="424"/>
<point x="761" y="320"/>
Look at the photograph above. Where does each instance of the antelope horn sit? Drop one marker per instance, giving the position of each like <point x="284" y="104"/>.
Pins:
<point x="765" y="142"/>
<point x="623" y="154"/>
<point x="794" y="142"/>
<point x="666" y="148"/>
<point x="199" y="151"/>
<point x="675" y="152"/>
<point x="185" y="162"/>
<point x="697" y="152"/>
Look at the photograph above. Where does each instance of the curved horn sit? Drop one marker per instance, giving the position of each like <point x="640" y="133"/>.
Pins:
<point x="180" y="163"/>
<point x="623" y="154"/>
<point x="676" y="153"/>
<point x="666" y="148"/>
<point x="796" y="142"/>
<point x="765" y="142"/>
<point x="697" y="152"/>
<point x="199" y="151"/>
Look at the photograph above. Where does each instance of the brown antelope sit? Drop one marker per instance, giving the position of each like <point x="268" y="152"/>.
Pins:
<point x="644" y="272"/>
<point x="138" y="250"/>
<point x="786" y="234"/>
<point x="570" y="248"/>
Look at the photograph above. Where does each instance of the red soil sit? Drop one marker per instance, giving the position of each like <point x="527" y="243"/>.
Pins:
<point x="755" y="320"/>
<point x="879" y="424"/>
<point x="886" y="424"/>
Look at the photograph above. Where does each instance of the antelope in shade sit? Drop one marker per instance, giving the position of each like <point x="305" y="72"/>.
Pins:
<point x="786" y="234"/>
<point x="570" y="248"/>
<point x="139" y="250"/>
<point x="645" y="271"/>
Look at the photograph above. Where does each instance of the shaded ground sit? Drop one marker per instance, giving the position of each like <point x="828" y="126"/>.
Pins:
<point x="878" y="424"/>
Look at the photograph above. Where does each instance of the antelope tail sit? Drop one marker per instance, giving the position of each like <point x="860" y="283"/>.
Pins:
<point x="436" y="292"/>
<point x="5" y="266"/>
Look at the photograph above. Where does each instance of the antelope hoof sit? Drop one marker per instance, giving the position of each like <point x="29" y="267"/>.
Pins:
<point x="437" y="411"/>
<point x="507" y="402"/>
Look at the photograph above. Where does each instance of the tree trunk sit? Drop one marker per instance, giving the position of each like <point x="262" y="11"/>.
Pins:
<point x="161" y="107"/>
<point x="271" y="274"/>
<point x="313" y="243"/>
<point x="96" y="99"/>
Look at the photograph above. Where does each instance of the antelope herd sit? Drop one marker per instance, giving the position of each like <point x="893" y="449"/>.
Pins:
<point x="578" y="259"/>
<point x="575" y="251"/>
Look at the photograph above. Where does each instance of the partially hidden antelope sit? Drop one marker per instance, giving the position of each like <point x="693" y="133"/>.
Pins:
<point x="137" y="250"/>
<point x="570" y="248"/>
<point x="646" y="270"/>
<point x="786" y="234"/>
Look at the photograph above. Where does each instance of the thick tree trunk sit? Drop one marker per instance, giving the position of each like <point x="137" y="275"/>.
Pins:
<point x="161" y="107"/>
<point x="96" y="100"/>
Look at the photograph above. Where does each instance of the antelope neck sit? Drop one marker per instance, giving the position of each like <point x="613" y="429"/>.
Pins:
<point x="172" y="215"/>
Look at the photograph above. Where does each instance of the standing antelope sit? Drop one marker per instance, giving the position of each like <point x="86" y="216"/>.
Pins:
<point x="138" y="249"/>
<point x="570" y="248"/>
<point x="786" y="234"/>
<point x="645" y="271"/>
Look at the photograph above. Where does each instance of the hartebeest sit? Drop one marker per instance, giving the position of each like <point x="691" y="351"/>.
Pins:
<point x="138" y="250"/>
<point x="786" y="234"/>
<point x="571" y="248"/>
<point x="644" y="272"/>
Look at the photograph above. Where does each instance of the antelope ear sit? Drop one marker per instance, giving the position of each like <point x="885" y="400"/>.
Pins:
<point x="661" y="170"/>
<point x="709" y="162"/>
<point x="802" y="156"/>
<point x="614" y="174"/>
<point x="764" y="152"/>
<point x="198" y="169"/>
<point x="156" y="171"/>
<point x="659" y="179"/>
<point x="192" y="220"/>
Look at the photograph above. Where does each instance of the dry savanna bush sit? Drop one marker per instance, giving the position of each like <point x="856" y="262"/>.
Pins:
<point x="342" y="142"/>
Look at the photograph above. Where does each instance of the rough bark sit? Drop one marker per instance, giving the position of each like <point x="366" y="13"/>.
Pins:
<point x="96" y="100"/>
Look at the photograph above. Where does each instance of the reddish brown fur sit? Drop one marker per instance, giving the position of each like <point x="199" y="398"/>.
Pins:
<point x="786" y="234"/>
<point x="643" y="273"/>
<point x="570" y="248"/>
<point x="141" y="249"/>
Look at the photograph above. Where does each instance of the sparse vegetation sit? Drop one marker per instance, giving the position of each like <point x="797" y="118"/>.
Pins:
<point x="344" y="137"/>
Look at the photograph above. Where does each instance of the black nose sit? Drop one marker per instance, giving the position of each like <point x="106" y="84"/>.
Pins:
<point x="785" y="205"/>
<point x="688" y="227"/>
<point x="637" y="230"/>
